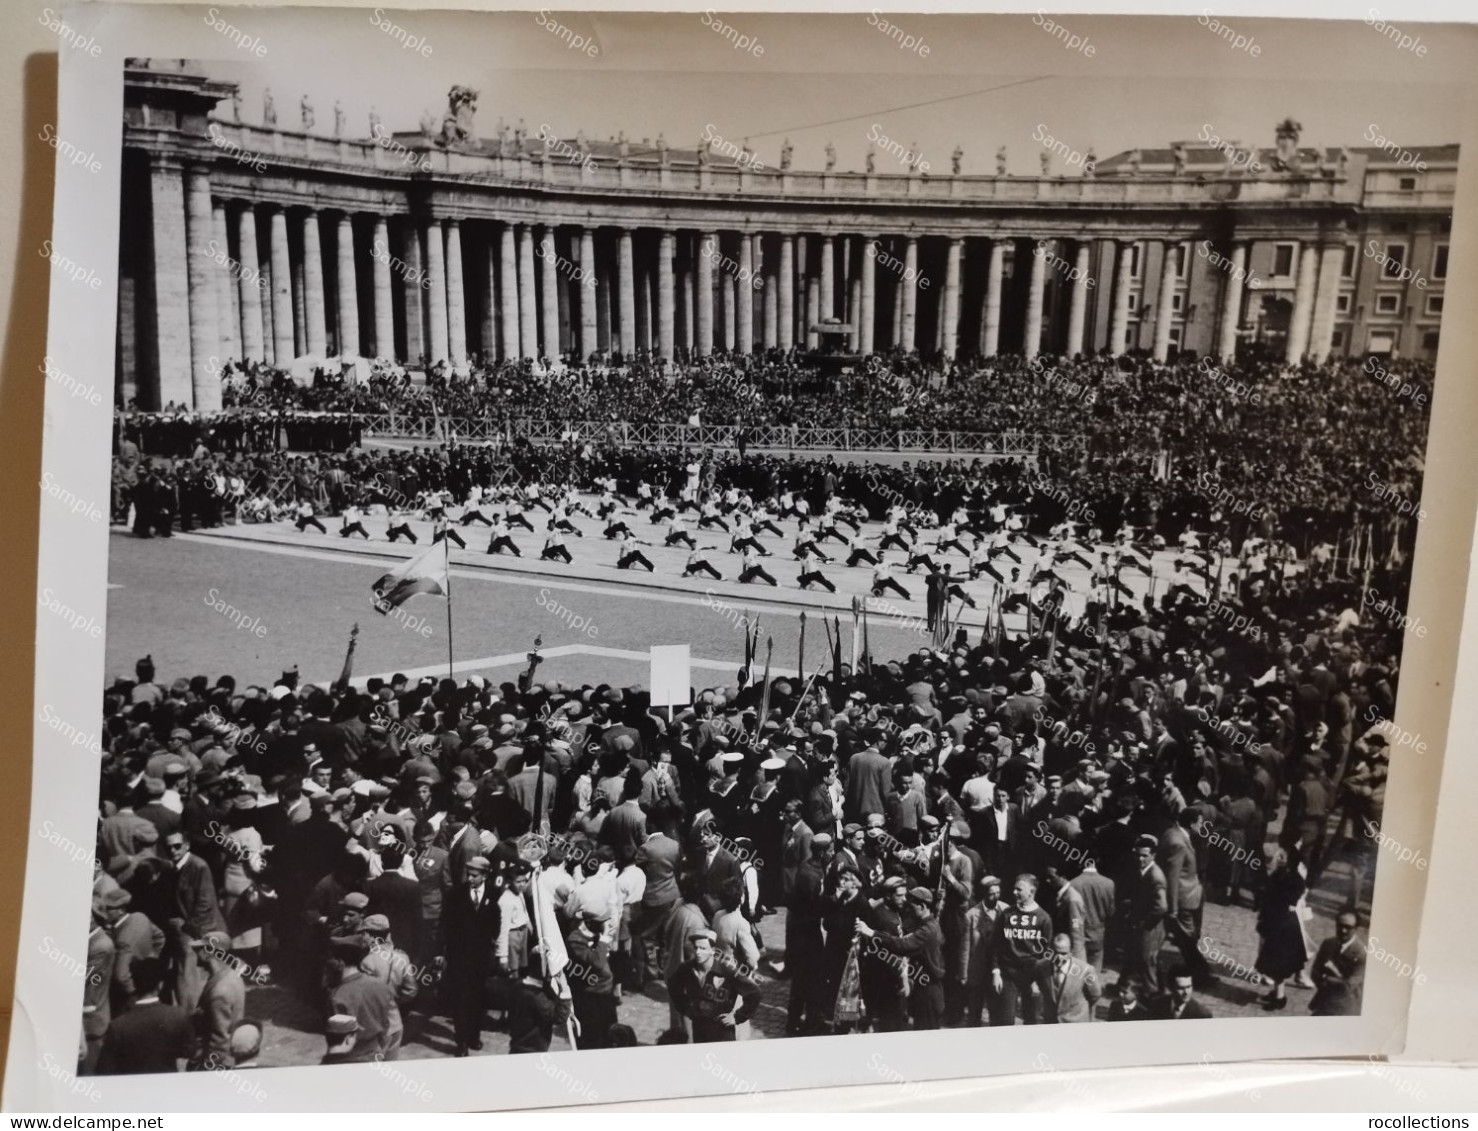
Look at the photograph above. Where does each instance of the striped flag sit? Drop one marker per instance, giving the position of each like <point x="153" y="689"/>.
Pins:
<point x="424" y="574"/>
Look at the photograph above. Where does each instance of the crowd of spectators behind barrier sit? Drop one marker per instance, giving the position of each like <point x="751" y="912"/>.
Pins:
<point x="1293" y="453"/>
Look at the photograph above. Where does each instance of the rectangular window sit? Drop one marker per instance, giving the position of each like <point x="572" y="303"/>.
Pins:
<point x="1347" y="268"/>
<point x="1429" y="340"/>
<point x="1439" y="261"/>
<point x="1136" y="266"/>
<point x="1387" y="304"/>
<point x="1177" y="302"/>
<point x="1408" y="184"/>
<point x="1283" y="260"/>
<point x="1434" y="304"/>
<point x="1338" y="341"/>
<point x="1342" y="302"/>
<point x="1180" y="260"/>
<point x="1395" y="260"/>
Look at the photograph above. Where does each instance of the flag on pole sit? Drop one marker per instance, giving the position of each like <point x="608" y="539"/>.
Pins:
<point x="424" y="574"/>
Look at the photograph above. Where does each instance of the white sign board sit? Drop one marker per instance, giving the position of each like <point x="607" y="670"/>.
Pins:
<point x="671" y="675"/>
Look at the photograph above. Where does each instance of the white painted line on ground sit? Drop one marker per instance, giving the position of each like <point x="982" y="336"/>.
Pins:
<point x="465" y="668"/>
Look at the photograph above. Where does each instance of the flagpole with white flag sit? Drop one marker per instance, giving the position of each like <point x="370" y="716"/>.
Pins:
<point x="428" y="572"/>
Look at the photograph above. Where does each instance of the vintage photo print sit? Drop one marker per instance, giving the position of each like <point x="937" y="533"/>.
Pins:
<point x="599" y="531"/>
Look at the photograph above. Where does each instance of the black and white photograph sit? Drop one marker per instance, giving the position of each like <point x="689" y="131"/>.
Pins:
<point x="603" y="556"/>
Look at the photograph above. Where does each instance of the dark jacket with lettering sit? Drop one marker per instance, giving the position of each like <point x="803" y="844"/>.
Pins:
<point x="1021" y="939"/>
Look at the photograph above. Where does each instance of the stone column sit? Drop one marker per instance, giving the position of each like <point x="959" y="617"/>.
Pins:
<point x="726" y="283"/>
<point x="868" y="312"/>
<point x="687" y="291"/>
<point x="204" y="305"/>
<point x="456" y="297"/>
<point x="910" y="285"/>
<point x="1331" y="262"/>
<point x="990" y="325"/>
<point x="854" y="313"/>
<point x="1077" y="318"/>
<point x="1231" y="304"/>
<point x="528" y="310"/>
<point x="436" y="330"/>
<point x="414" y="286"/>
<point x="349" y="290"/>
<point x="589" y="329"/>
<point x="950" y="301"/>
<point x="508" y="290"/>
<point x="772" y="310"/>
<point x="549" y="281"/>
<point x="813" y="312"/>
<point x="666" y="297"/>
<point x="1123" y="279"/>
<point x="384" y="306"/>
<point x="785" y="302"/>
<point x="249" y="286"/>
<point x="1164" y="302"/>
<point x="487" y="265"/>
<point x="707" y="248"/>
<point x="226" y="317"/>
<point x="300" y="302"/>
<point x="282" y="291"/>
<point x="1031" y="343"/>
<point x="827" y="307"/>
<point x="744" y="338"/>
<point x="1303" y="303"/>
<point x="171" y="270"/>
<point x="315" y="314"/>
<point x="626" y="293"/>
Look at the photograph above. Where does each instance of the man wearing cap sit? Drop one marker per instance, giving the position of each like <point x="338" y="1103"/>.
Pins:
<point x="469" y="923"/>
<point x="246" y="1046"/>
<point x="712" y="992"/>
<point x="884" y="976"/>
<point x="222" y="999"/>
<point x="923" y="945"/>
<point x="592" y="984"/>
<point x="134" y="935"/>
<point x="1145" y="906"/>
<point x="101" y="958"/>
<point x="388" y="963"/>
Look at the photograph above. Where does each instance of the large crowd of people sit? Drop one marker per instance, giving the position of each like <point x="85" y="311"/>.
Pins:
<point x="1024" y="826"/>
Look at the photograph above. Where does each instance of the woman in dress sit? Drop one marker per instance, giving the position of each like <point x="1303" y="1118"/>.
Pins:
<point x="1282" y="952"/>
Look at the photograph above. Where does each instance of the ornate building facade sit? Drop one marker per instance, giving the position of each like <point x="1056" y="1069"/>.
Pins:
<point x="280" y="241"/>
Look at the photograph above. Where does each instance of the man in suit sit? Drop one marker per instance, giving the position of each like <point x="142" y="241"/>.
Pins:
<point x="1098" y="909"/>
<point x="869" y="784"/>
<point x="1068" y="985"/>
<point x="1001" y="835"/>
<point x="1145" y="906"/>
<point x="222" y="999"/>
<point x="795" y="847"/>
<point x="196" y="914"/>
<point x="150" y="1037"/>
<point x="1339" y="971"/>
<point x="659" y="858"/>
<point x="1069" y="913"/>
<point x="398" y="898"/>
<point x="625" y="826"/>
<point x="714" y="865"/>
<point x="1176" y="858"/>
<point x="469" y="922"/>
<point x="1178" y="1004"/>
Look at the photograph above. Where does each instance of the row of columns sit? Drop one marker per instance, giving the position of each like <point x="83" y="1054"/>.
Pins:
<point x="699" y="291"/>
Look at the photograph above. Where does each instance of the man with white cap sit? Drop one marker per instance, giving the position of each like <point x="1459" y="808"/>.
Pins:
<point x="713" y="993"/>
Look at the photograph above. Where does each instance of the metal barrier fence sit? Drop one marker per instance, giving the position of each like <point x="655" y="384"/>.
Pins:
<point x="793" y="437"/>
